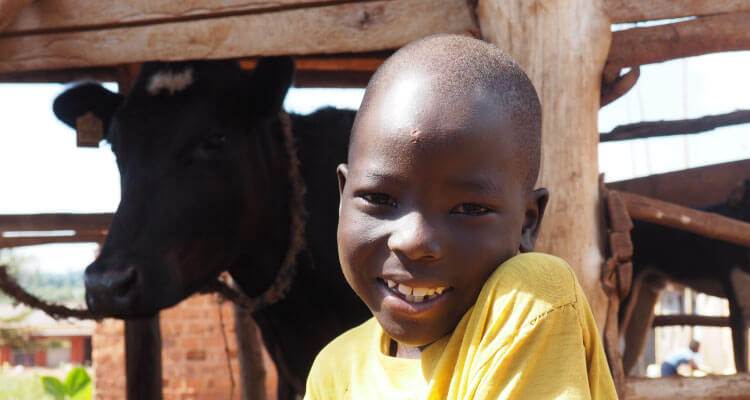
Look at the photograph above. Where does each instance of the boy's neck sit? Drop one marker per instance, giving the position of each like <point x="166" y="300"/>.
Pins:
<point x="400" y="350"/>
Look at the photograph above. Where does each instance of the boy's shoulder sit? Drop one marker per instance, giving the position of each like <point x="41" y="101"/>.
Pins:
<point x="547" y="278"/>
<point x="364" y="335"/>
<point x="342" y="360"/>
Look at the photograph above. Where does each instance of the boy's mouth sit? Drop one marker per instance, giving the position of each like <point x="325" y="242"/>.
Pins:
<point x="414" y="294"/>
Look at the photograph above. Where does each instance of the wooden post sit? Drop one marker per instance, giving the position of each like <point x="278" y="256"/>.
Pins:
<point x="562" y="45"/>
<point x="252" y="370"/>
<point x="143" y="359"/>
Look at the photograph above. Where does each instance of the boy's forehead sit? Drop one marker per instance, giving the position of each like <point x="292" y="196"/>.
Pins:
<point x="414" y="101"/>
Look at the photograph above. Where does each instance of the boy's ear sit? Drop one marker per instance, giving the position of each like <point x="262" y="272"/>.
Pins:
<point x="341" y="172"/>
<point x="533" y="219"/>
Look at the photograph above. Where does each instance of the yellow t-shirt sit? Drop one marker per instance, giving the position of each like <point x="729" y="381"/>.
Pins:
<point x="530" y="335"/>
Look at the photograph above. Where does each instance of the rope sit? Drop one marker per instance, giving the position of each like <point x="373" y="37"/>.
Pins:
<point x="9" y="285"/>
<point x="297" y="214"/>
<point x="231" y="292"/>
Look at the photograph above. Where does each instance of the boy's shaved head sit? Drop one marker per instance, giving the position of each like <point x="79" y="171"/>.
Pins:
<point x="465" y="68"/>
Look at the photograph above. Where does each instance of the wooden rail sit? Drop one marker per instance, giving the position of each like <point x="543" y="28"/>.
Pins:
<point x="645" y="10"/>
<point x="712" y="387"/>
<point x="687" y="219"/>
<point x="690" y="320"/>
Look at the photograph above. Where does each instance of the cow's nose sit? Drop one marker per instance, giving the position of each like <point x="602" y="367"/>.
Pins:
<point x="110" y="290"/>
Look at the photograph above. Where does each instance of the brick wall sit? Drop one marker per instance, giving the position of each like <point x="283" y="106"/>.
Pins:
<point x="194" y="360"/>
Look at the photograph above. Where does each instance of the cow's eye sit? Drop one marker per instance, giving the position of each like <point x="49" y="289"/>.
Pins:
<point x="210" y="146"/>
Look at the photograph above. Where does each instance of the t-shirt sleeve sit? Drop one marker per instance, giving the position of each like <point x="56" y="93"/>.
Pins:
<point x="549" y="360"/>
<point x="556" y="354"/>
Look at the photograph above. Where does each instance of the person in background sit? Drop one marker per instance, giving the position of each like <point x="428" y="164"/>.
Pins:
<point x="689" y="356"/>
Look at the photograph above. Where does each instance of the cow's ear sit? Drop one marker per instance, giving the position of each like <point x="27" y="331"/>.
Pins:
<point x="84" y="98"/>
<point x="271" y="80"/>
<point x="740" y="194"/>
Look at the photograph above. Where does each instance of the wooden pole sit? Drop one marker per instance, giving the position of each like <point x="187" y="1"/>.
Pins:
<point x="562" y="45"/>
<point x="249" y="345"/>
<point x="143" y="359"/>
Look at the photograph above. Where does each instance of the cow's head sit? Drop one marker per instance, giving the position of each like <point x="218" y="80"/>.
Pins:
<point x="198" y="159"/>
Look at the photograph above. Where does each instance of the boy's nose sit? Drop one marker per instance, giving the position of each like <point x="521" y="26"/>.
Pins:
<point x="415" y="238"/>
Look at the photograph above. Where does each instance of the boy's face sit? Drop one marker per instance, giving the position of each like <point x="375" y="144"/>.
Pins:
<point x="433" y="200"/>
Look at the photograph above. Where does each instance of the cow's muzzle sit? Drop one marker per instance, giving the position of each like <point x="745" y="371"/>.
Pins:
<point x="111" y="292"/>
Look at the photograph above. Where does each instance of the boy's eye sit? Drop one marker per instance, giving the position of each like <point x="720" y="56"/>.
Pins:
<point x="380" y="199"/>
<point x="470" y="209"/>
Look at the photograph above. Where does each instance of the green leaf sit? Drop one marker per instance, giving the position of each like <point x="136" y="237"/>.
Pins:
<point x="54" y="387"/>
<point x="84" y="394"/>
<point x="77" y="381"/>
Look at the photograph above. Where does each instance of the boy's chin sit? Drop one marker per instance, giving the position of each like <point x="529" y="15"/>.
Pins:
<point x="407" y="335"/>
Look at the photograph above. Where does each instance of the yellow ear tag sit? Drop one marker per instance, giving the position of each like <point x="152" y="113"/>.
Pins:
<point x="89" y="129"/>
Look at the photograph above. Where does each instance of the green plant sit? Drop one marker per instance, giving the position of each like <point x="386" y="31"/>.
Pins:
<point x="77" y="385"/>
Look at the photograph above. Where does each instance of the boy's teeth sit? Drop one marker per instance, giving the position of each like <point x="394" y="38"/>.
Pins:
<point x="415" y="294"/>
<point x="405" y="290"/>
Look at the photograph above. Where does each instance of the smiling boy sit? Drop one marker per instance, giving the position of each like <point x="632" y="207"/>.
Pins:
<point x="437" y="202"/>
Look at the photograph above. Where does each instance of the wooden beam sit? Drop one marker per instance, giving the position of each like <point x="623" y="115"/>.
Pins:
<point x="703" y="35"/>
<point x="648" y="129"/>
<point x="354" y="26"/>
<point x="645" y="10"/>
<point x="687" y="219"/>
<point x="54" y="222"/>
<point x="37" y="240"/>
<point x="68" y="15"/>
<point x="9" y="10"/>
<point x="725" y="387"/>
<point x="690" y="187"/>
<point x="690" y="320"/>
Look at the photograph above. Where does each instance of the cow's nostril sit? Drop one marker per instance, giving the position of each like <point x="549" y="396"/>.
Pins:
<point x="119" y="281"/>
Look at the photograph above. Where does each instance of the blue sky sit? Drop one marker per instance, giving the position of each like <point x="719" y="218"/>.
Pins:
<point x="41" y="170"/>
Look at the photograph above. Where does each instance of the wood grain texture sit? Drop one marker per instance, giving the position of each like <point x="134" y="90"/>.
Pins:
<point x="351" y="27"/>
<point x="725" y="387"/>
<point x="9" y="10"/>
<point x="61" y="15"/>
<point x="712" y="34"/>
<point x="645" y="10"/>
<point x="562" y="45"/>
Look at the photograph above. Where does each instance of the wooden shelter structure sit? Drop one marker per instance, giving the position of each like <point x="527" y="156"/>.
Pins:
<point x="566" y="47"/>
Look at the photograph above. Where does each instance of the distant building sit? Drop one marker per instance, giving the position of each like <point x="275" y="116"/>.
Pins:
<point x="32" y="338"/>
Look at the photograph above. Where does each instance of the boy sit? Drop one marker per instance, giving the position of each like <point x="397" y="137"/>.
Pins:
<point x="437" y="193"/>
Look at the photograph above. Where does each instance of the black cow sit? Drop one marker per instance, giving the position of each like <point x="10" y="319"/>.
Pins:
<point x="710" y="266"/>
<point x="205" y="189"/>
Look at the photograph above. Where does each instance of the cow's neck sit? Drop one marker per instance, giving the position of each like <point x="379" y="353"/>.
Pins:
<point x="256" y="267"/>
